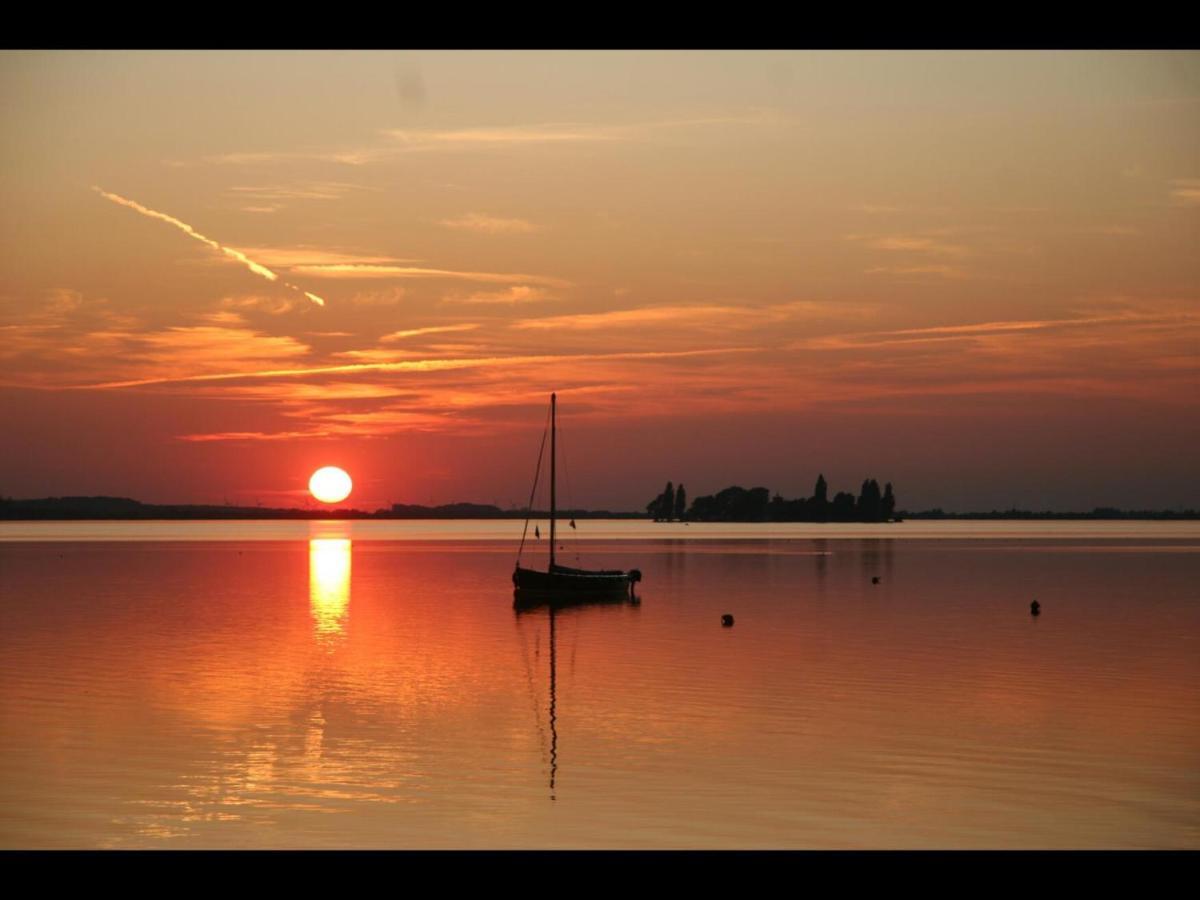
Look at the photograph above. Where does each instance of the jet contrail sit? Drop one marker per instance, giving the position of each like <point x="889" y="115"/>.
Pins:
<point x="187" y="229"/>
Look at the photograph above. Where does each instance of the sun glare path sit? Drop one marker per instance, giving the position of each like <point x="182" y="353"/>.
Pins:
<point x="329" y="586"/>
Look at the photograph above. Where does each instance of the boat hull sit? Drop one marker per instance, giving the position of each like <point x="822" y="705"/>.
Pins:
<point x="562" y="585"/>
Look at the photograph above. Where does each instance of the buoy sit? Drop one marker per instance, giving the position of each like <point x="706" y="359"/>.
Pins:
<point x="1035" y="608"/>
<point x="727" y="620"/>
<point x="875" y="580"/>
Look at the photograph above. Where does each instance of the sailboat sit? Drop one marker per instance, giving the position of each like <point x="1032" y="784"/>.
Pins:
<point x="562" y="584"/>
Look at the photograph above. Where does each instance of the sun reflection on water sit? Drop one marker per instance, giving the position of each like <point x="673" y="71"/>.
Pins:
<point x="329" y="586"/>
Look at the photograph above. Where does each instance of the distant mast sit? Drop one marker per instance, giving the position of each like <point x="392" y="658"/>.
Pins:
<point x="553" y="457"/>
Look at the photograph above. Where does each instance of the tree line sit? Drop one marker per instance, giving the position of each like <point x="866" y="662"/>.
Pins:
<point x="737" y="504"/>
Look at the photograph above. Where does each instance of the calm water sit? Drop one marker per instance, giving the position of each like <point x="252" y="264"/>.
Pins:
<point x="295" y="684"/>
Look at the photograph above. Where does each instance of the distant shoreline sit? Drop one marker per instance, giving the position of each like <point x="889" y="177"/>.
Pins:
<point x="125" y="509"/>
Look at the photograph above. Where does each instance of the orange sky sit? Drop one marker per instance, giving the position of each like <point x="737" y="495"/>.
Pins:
<point x="972" y="274"/>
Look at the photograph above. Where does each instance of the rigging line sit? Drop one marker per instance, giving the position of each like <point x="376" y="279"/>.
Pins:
<point x="536" y="474"/>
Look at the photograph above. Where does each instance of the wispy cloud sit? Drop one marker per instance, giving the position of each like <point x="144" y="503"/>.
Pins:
<point x="562" y="132"/>
<point x="519" y="293"/>
<point x="942" y="271"/>
<point x="435" y="329"/>
<point x="400" y="141"/>
<point x="1186" y="191"/>
<point x="309" y="190"/>
<point x="252" y="436"/>
<point x="650" y="315"/>
<point x="723" y="317"/>
<point x="256" y="268"/>
<point x="88" y="340"/>
<point x="508" y="135"/>
<point x="389" y="296"/>
<point x="289" y="257"/>
<point x="913" y="244"/>
<point x="1113" y="230"/>
<point x="419" y="365"/>
<point x="489" y="224"/>
<point x="887" y="209"/>
<point x="938" y="333"/>
<point x="346" y="270"/>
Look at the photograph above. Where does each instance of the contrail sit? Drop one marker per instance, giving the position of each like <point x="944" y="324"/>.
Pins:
<point x="256" y="268"/>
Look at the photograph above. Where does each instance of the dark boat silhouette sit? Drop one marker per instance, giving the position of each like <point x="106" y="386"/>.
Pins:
<point x="560" y="585"/>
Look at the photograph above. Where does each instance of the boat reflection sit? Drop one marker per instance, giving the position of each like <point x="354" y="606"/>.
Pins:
<point x="329" y="587"/>
<point x="555" y="610"/>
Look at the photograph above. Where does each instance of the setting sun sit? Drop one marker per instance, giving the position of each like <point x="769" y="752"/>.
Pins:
<point x="330" y="484"/>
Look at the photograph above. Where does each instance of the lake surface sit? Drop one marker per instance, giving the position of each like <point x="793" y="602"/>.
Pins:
<point x="369" y="684"/>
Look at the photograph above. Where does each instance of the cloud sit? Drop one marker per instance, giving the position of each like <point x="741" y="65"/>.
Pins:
<point x="386" y="297"/>
<point x="1113" y="230"/>
<point x="1186" y="191"/>
<point x="508" y="135"/>
<point x="939" y="333"/>
<point x="651" y="315"/>
<point x="380" y="355"/>
<point x="214" y="346"/>
<point x="256" y="268"/>
<point x="310" y="190"/>
<point x="519" y="293"/>
<point x="274" y="306"/>
<point x="436" y="329"/>
<point x="345" y="270"/>
<point x="704" y="316"/>
<point x="62" y="345"/>
<point x="290" y="257"/>
<point x="941" y="270"/>
<point x="559" y="133"/>
<point x="489" y="224"/>
<point x="417" y="365"/>
<point x="914" y="244"/>
<point x="400" y="141"/>
<point x="252" y="436"/>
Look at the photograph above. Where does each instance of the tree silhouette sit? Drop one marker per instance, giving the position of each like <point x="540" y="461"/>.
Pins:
<point x="887" y="506"/>
<point x="869" y="502"/>
<point x="821" y="491"/>
<point x="737" y="504"/>
<point x="842" y="508"/>
<point x="668" y="501"/>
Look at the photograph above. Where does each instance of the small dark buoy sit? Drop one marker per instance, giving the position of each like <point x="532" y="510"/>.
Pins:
<point x="1035" y="608"/>
<point x="875" y="580"/>
<point x="727" y="620"/>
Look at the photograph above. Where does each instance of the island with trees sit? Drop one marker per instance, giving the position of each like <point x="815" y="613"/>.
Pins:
<point x="737" y="504"/>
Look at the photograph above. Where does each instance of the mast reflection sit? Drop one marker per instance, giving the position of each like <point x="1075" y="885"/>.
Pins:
<point x="554" y="610"/>
<point x="553" y="718"/>
<point x="329" y="587"/>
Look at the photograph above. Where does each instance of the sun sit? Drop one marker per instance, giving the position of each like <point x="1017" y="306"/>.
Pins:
<point x="330" y="484"/>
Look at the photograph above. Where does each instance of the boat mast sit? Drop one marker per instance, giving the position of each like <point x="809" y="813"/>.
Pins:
<point x="553" y="458"/>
